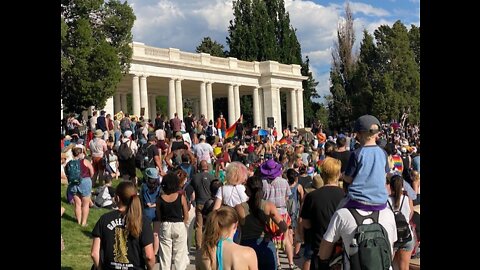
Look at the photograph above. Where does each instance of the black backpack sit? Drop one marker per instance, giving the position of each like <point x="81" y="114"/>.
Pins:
<point x="124" y="151"/>
<point x="403" y="228"/>
<point x="141" y="158"/>
<point x="374" y="251"/>
<point x="209" y="131"/>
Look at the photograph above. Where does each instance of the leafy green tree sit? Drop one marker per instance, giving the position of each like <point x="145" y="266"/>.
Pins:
<point x="309" y="92"/>
<point x="414" y="37"/>
<point x="211" y="47"/>
<point x="95" y="51"/>
<point x="261" y="31"/>
<point x="401" y="74"/>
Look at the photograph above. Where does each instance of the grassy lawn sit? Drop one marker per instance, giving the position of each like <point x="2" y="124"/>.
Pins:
<point x="78" y="242"/>
<point x="77" y="239"/>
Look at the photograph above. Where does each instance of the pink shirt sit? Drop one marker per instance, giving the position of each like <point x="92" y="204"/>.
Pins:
<point x="98" y="147"/>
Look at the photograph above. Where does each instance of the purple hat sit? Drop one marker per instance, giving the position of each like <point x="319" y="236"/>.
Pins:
<point x="270" y="169"/>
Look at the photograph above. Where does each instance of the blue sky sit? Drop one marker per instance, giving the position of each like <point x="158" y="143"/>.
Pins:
<point x="182" y="24"/>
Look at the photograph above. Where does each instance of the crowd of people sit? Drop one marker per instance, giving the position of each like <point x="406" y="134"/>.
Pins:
<point x="239" y="199"/>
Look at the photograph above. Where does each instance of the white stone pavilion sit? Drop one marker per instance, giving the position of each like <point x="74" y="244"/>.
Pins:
<point x="201" y="77"/>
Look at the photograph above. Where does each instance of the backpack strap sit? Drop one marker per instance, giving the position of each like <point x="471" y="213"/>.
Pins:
<point x="359" y="218"/>
<point x="401" y="204"/>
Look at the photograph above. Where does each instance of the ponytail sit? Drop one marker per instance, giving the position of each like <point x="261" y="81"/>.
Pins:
<point x="396" y="187"/>
<point x="217" y="221"/>
<point x="127" y="193"/>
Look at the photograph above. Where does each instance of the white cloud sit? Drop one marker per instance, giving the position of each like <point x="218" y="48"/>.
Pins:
<point x="316" y="24"/>
<point x="320" y="56"/>
<point x="180" y="24"/>
<point x="367" y="9"/>
<point x="218" y="16"/>
<point x="183" y="24"/>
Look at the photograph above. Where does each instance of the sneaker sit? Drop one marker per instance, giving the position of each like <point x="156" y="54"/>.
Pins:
<point x="293" y="267"/>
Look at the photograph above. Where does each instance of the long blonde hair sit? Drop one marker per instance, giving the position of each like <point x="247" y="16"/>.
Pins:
<point x="217" y="222"/>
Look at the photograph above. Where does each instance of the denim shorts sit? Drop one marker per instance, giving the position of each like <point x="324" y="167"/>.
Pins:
<point x="307" y="252"/>
<point x="408" y="246"/>
<point x="83" y="189"/>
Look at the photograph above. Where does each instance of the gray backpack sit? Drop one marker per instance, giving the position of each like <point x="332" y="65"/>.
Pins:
<point x="374" y="252"/>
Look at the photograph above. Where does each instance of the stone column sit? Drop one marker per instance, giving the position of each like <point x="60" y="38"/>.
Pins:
<point x="203" y="100"/>
<point x="236" y="92"/>
<point x="300" y="108"/>
<point x="271" y="109"/>
<point x="144" y="95"/>
<point x="256" y="108"/>
<point x="289" y="109"/>
<point x="135" y="96"/>
<point x="109" y="107"/>
<point x="231" y="106"/>
<point x="293" y="108"/>
<point x="153" y="107"/>
<point x="278" y="123"/>
<point x="179" y="98"/>
<point x="209" y="102"/>
<point x="123" y="98"/>
<point x="172" y="106"/>
<point x="261" y="107"/>
<point x="116" y="104"/>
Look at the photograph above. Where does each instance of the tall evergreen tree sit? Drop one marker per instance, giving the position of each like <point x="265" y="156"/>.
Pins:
<point x="261" y="31"/>
<point x="309" y="91"/>
<point x="211" y="47"/>
<point x="95" y="51"/>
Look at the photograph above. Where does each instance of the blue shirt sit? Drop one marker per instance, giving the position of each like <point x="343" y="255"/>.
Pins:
<point x="149" y="197"/>
<point x="368" y="166"/>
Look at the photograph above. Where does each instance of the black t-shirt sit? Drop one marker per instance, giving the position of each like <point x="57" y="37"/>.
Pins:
<point x="152" y="151"/>
<point x="158" y="123"/>
<point x="318" y="207"/>
<point x="121" y="251"/>
<point x="188" y="124"/>
<point x="201" y="184"/>
<point x="305" y="181"/>
<point x="343" y="157"/>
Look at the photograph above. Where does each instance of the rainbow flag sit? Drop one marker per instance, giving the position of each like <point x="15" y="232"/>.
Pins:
<point x="397" y="163"/>
<point x="231" y="131"/>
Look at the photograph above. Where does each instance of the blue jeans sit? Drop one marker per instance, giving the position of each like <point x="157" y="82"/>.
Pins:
<point x="265" y="250"/>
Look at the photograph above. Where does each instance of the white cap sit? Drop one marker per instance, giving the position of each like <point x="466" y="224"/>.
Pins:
<point x="127" y="134"/>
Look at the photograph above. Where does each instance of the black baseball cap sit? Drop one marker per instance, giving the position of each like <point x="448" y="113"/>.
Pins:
<point x="365" y="122"/>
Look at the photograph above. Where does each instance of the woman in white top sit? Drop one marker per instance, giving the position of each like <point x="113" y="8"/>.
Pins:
<point x="398" y="201"/>
<point x="233" y="192"/>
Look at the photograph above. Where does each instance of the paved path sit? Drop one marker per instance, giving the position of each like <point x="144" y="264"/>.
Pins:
<point x="283" y="261"/>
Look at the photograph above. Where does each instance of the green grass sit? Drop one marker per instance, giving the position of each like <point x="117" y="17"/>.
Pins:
<point x="78" y="241"/>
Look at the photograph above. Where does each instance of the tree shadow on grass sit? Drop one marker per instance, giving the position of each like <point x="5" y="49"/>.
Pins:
<point x="87" y="233"/>
<point x="64" y="199"/>
<point x="69" y="217"/>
